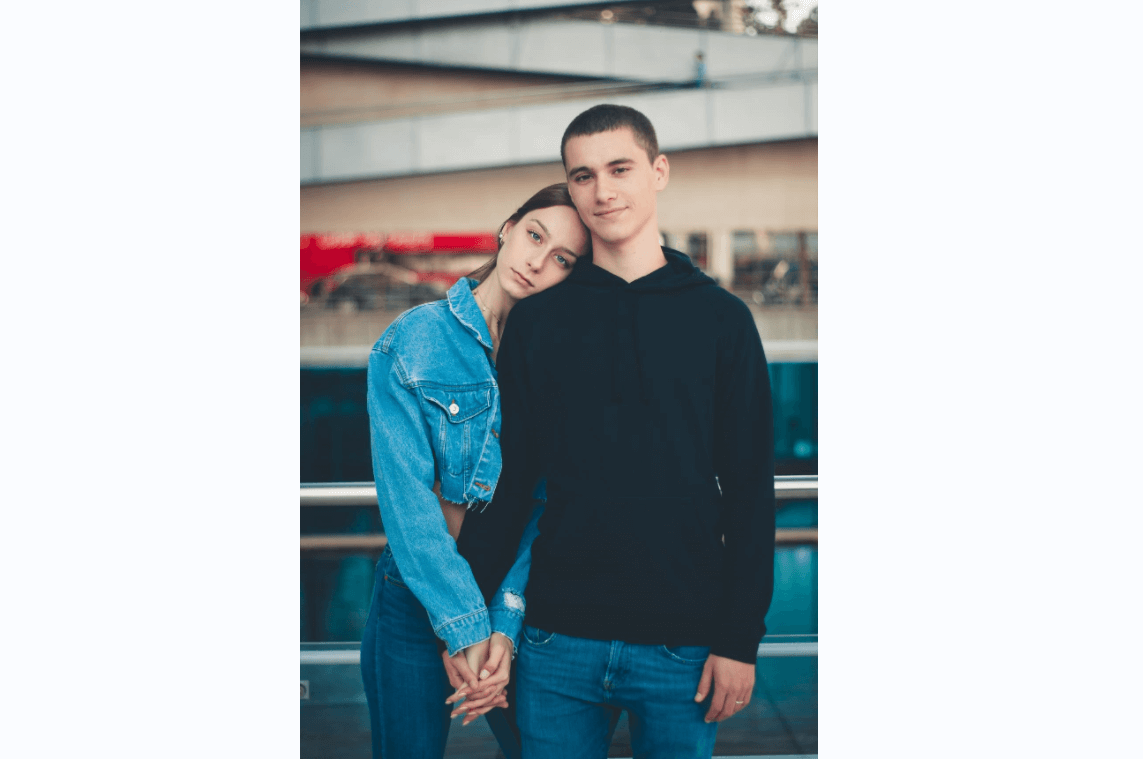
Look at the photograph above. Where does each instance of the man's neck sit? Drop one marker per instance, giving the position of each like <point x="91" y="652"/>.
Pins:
<point x="630" y="259"/>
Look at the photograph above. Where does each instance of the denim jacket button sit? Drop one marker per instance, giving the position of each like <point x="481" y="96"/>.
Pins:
<point x="452" y="409"/>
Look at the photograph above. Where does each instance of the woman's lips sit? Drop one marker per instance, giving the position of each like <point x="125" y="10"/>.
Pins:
<point x="523" y="280"/>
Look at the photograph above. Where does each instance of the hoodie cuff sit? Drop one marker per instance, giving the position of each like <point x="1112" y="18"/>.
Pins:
<point x="738" y="645"/>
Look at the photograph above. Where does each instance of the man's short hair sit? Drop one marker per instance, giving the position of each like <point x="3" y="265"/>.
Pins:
<point x="605" y="118"/>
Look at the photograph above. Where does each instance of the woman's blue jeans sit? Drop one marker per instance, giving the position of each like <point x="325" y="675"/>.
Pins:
<point x="571" y="690"/>
<point x="405" y="681"/>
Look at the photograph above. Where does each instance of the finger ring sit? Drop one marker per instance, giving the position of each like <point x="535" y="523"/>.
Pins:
<point x="740" y="702"/>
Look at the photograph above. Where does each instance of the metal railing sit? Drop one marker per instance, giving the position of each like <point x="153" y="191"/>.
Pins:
<point x="786" y="488"/>
<point x="777" y="646"/>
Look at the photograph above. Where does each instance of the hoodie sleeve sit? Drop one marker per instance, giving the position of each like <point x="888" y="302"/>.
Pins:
<point x="489" y="538"/>
<point x="744" y="462"/>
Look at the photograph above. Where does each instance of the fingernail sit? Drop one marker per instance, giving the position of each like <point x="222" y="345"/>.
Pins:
<point x="698" y="697"/>
<point x="483" y="674"/>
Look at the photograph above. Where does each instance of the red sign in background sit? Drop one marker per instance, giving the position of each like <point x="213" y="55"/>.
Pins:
<point x="324" y="253"/>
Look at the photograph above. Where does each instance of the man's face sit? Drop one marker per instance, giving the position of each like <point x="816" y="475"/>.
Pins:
<point x="613" y="183"/>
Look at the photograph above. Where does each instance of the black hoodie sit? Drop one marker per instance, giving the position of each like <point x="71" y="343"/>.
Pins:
<point x="646" y="405"/>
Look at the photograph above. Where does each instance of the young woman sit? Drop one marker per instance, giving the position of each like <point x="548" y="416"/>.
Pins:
<point x="434" y="410"/>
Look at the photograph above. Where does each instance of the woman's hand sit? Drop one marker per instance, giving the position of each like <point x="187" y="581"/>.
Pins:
<point x="459" y="666"/>
<point x="494" y="670"/>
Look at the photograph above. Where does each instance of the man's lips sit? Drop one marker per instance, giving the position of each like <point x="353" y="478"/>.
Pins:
<point x="522" y="278"/>
<point x="609" y="213"/>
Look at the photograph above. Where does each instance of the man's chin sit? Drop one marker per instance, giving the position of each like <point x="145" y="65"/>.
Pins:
<point x="609" y="236"/>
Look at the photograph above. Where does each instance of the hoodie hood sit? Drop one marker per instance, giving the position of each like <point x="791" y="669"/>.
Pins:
<point x="627" y="314"/>
<point x="678" y="274"/>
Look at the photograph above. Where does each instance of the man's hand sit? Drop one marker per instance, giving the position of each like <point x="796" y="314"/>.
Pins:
<point x="488" y="691"/>
<point x="733" y="684"/>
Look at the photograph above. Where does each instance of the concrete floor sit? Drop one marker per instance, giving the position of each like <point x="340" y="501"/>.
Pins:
<point x="780" y="721"/>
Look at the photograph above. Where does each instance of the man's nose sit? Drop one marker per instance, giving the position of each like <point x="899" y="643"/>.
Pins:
<point x="604" y="190"/>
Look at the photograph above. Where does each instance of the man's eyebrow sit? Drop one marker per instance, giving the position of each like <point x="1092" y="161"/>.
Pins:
<point x="616" y="162"/>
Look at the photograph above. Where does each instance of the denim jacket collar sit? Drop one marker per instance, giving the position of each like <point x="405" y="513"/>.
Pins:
<point x="463" y="305"/>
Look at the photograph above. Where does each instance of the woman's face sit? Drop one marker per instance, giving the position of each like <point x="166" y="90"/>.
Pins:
<point x="540" y="250"/>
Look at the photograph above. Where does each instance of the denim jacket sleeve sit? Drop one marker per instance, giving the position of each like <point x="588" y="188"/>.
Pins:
<point x="404" y="471"/>
<point x="507" y="607"/>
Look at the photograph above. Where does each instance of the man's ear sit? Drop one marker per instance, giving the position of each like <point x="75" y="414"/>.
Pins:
<point x="662" y="169"/>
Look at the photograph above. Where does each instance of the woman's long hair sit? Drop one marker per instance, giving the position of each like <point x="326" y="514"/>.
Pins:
<point x="552" y="195"/>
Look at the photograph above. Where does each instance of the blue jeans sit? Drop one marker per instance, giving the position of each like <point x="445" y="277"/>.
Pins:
<point x="405" y="681"/>
<point x="570" y="691"/>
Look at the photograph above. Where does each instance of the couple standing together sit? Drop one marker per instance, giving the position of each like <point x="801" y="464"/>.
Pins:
<point x="585" y="490"/>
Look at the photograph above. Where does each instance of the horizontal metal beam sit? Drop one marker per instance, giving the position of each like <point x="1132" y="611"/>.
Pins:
<point x="684" y="119"/>
<point x="371" y="542"/>
<point x="628" y="52"/>
<point x="766" y="650"/>
<point x="331" y="14"/>
<point x="339" y="494"/>
<point x="351" y="356"/>
<point x="375" y="542"/>
<point x="795" y="487"/>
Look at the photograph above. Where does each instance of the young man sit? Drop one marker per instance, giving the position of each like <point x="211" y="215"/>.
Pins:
<point x="638" y="388"/>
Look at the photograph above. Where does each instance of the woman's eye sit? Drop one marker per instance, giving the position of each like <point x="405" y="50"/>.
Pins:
<point x="561" y="260"/>
<point x="535" y="235"/>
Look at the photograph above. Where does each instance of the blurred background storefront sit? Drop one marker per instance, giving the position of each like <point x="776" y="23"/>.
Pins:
<point x="425" y="123"/>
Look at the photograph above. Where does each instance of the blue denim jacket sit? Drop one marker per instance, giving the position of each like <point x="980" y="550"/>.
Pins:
<point x="434" y="414"/>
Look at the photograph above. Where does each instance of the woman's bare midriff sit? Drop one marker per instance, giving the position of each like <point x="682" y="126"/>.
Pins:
<point x="453" y="512"/>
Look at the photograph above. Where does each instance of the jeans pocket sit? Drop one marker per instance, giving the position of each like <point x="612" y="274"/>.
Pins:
<point x="537" y="637"/>
<point x="392" y="574"/>
<point x="689" y="655"/>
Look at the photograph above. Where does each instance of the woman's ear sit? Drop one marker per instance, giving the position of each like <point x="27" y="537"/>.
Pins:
<point x="505" y="230"/>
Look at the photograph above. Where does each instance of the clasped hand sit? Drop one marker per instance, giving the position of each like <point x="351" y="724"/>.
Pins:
<point x="479" y="674"/>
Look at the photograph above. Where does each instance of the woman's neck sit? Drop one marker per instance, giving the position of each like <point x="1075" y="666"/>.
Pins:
<point x="494" y="305"/>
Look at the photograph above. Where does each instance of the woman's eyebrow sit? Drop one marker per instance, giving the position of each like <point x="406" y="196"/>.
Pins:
<point x="549" y="234"/>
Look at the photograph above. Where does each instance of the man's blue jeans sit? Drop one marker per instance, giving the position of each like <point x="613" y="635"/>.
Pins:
<point x="404" y="678"/>
<point x="570" y="689"/>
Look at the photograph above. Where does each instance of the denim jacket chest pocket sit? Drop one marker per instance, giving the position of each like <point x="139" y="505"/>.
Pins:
<point x="460" y="419"/>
